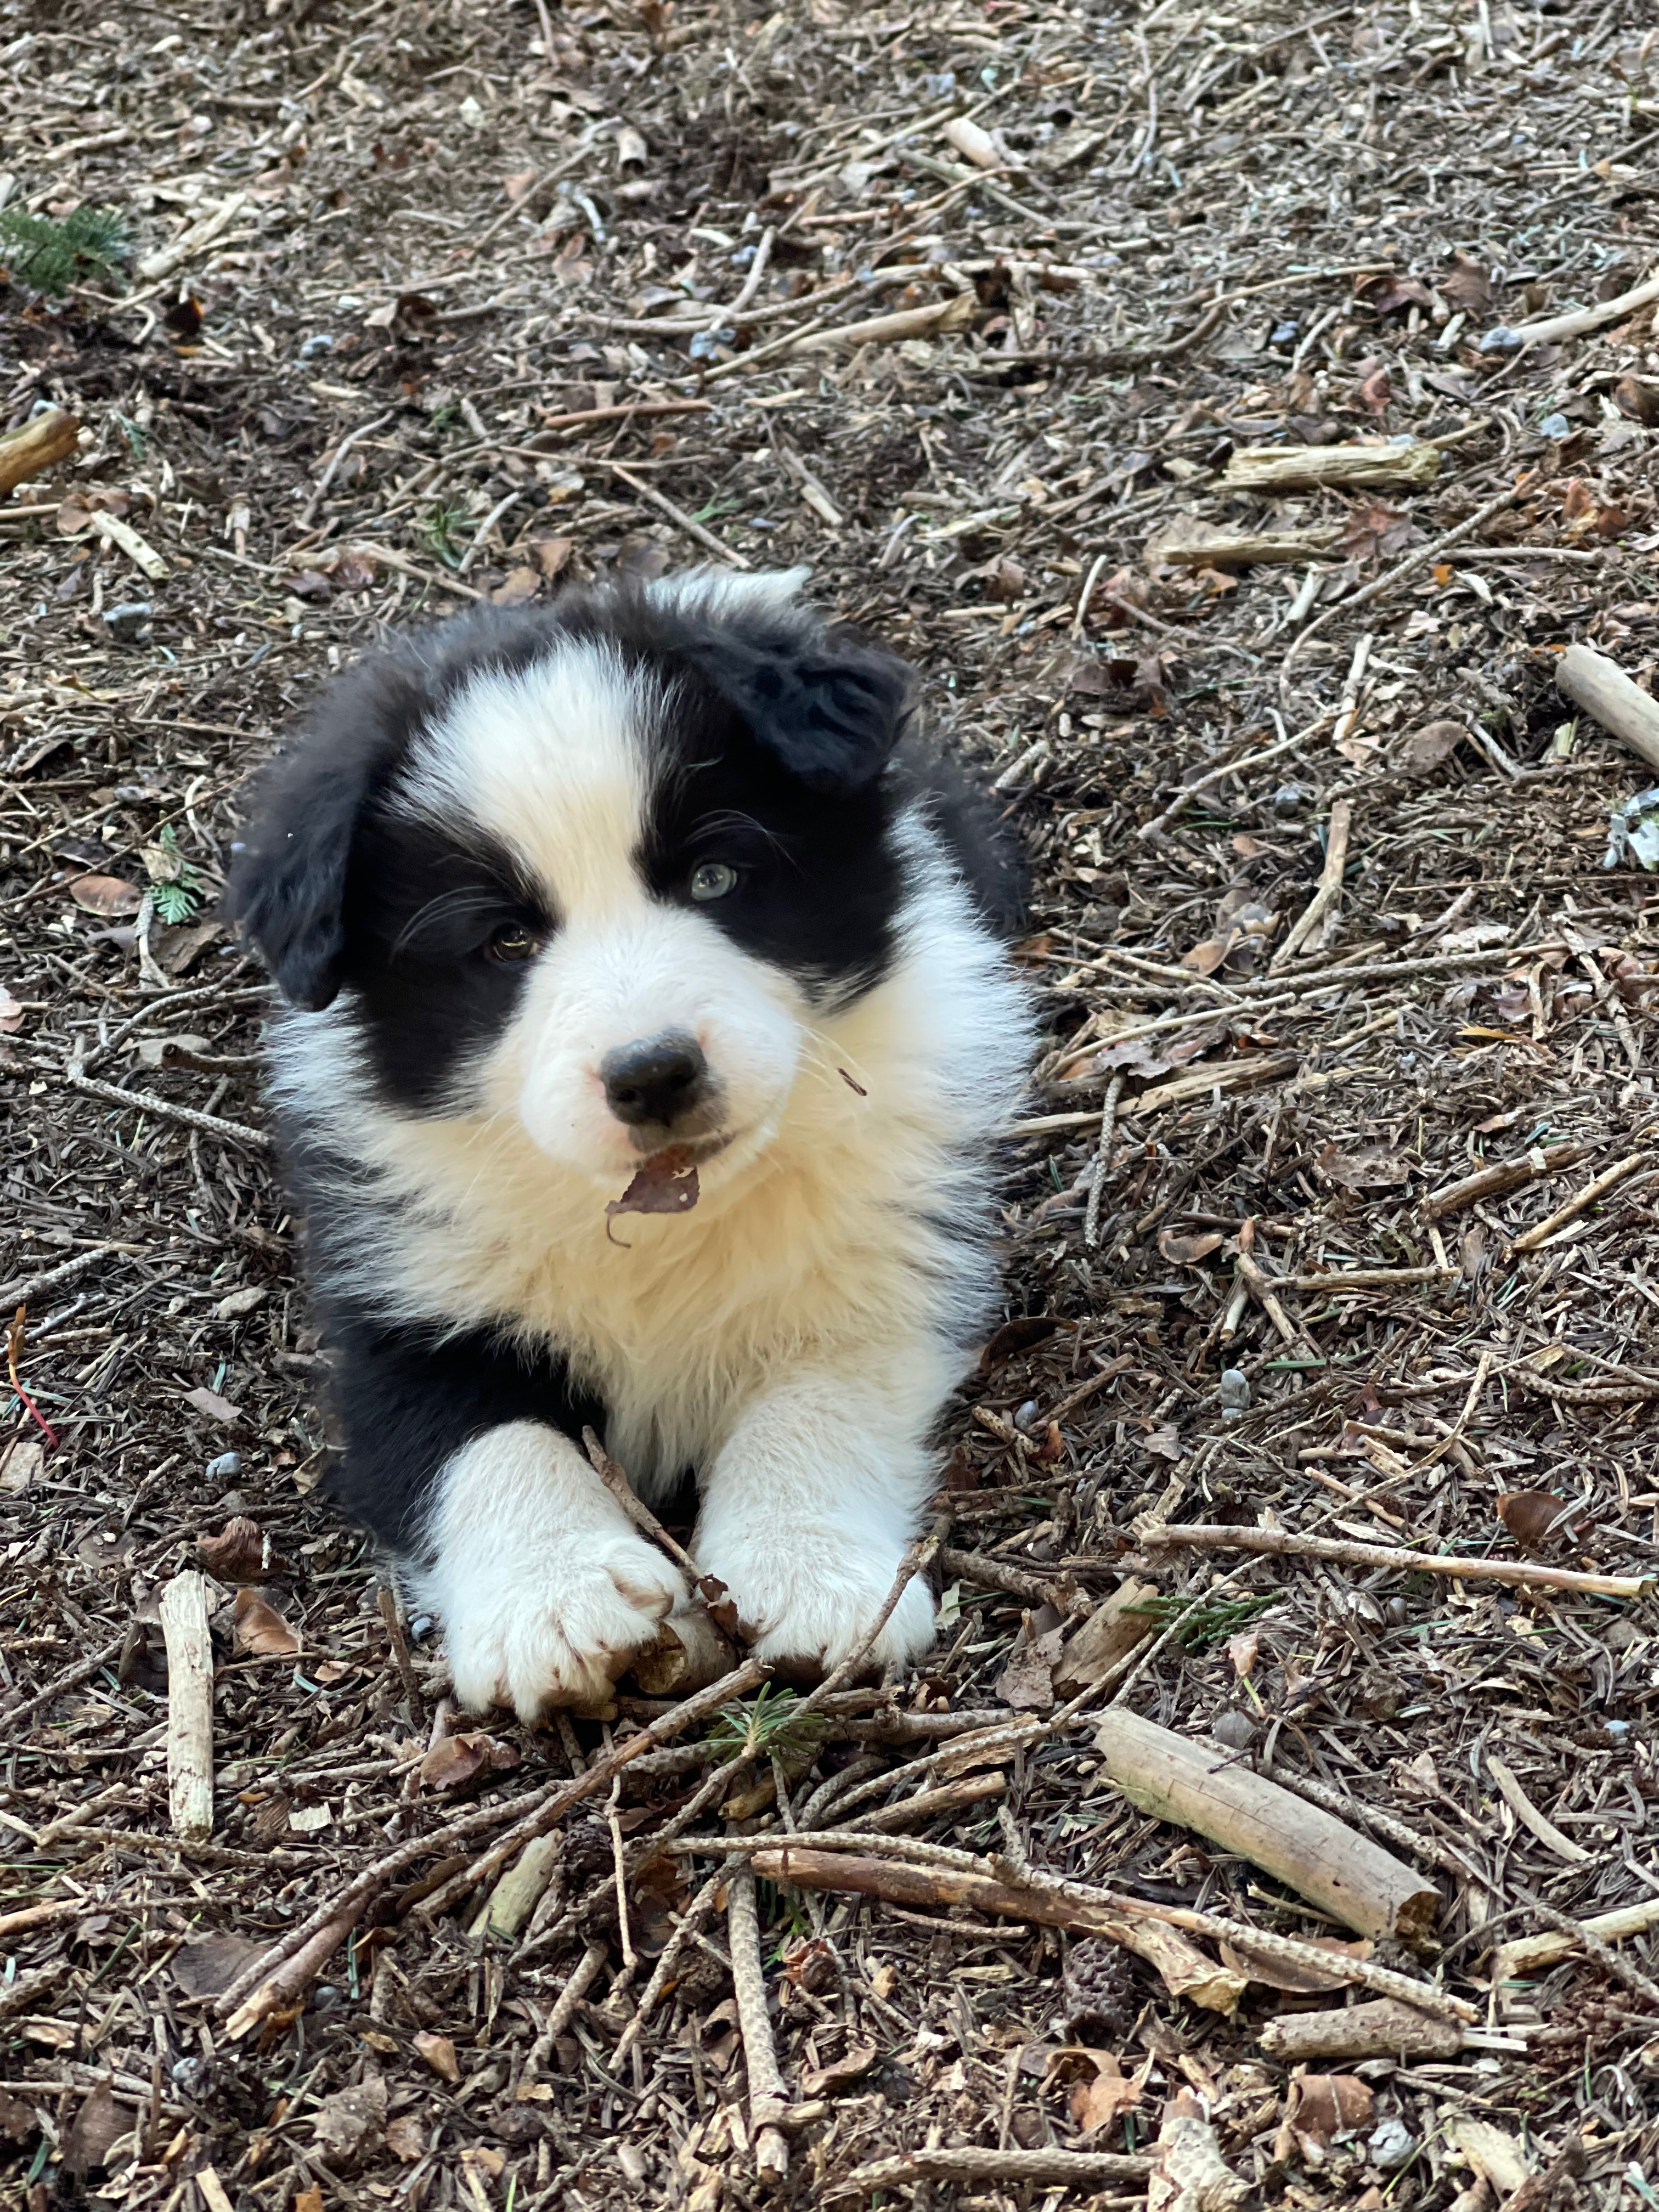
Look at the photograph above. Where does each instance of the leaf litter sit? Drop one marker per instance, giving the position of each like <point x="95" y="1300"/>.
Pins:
<point x="314" y="435"/>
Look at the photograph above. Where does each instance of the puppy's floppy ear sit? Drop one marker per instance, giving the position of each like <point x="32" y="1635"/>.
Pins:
<point x="830" y="711"/>
<point x="287" y="883"/>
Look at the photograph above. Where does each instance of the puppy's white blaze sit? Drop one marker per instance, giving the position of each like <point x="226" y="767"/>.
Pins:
<point x="543" y="1586"/>
<point x="553" y="762"/>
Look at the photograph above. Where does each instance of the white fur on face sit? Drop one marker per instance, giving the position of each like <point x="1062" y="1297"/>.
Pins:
<point x="555" y="764"/>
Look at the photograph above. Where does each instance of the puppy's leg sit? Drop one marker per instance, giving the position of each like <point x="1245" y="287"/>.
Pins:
<point x="807" y="1512"/>
<point x="460" y="1456"/>
<point x="544" y="1588"/>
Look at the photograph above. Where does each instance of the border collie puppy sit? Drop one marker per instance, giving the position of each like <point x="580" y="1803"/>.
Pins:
<point x="648" y="1026"/>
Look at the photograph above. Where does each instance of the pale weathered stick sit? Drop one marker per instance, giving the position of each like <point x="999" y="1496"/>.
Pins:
<point x="520" y="1890"/>
<point x="37" y="445"/>
<point x="1199" y="547"/>
<point x="1304" y="468"/>
<point x="1319" y="1857"/>
<point x="1548" y="330"/>
<point x="1283" y="1542"/>
<point x="183" y="1612"/>
<point x="583" y="1976"/>
<point x="768" y="2096"/>
<point x="1529" y="1954"/>
<point x="1580" y="1203"/>
<point x="192" y="240"/>
<point x="1380" y="2029"/>
<point x="934" y="320"/>
<point x="1601" y="688"/>
<point x="1330" y="886"/>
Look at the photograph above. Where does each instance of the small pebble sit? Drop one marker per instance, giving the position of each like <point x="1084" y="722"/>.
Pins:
<point x="1392" y="2143"/>
<point x="1284" y="334"/>
<point x="128" y="621"/>
<point x="1237" y="1730"/>
<point x="227" y="1463"/>
<point x="1556" y="426"/>
<point x="1234" y="1392"/>
<point x="1289" y="799"/>
<point x="323" y="343"/>
<point x="1026" y="1417"/>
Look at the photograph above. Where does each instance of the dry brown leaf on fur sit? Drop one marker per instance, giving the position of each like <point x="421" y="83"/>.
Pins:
<point x="261" y="1631"/>
<point x="1531" y="1515"/>
<point x="665" y="1183"/>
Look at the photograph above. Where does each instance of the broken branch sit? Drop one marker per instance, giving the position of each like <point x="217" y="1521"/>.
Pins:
<point x="1286" y="1543"/>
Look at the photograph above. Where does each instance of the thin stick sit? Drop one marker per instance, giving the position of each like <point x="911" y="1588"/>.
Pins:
<point x="918" y="1556"/>
<point x="536" y="1810"/>
<point x="308" y="511"/>
<point x="1286" y="1543"/>
<point x="184" y="1613"/>
<point x="768" y="2096"/>
<point x="939" y="1874"/>
<point x="575" y="420"/>
<point x="615" y="1478"/>
<point x="685" y="1928"/>
<point x="1581" y="1203"/>
<point x="293" y="1977"/>
<point x="143" y="1101"/>
<point x="1398" y="574"/>
<point x="1102" y="1167"/>
<point x="1154" y="830"/>
<point x="1330" y="883"/>
<point x="679" y="516"/>
<point x="582" y="1978"/>
<point x="1058" y="2169"/>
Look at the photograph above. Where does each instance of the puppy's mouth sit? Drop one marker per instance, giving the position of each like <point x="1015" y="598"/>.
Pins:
<point x="693" y="1152"/>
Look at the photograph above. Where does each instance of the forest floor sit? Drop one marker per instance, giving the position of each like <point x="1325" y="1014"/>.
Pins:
<point x="424" y="302"/>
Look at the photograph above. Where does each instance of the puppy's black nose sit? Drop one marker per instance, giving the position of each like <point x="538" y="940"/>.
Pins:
<point x="654" y="1079"/>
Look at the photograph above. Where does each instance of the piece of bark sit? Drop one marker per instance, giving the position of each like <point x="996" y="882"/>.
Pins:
<point x="1344" y="1873"/>
<point x="929" y="322"/>
<point x="1379" y="2029"/>
<point x="1111" y="1633"/>
<point x="1502" y="1177"/>
<point x="1304" y="468"/>
<point x="1601" y="688"/>
<point x="690" y="1653"/>
<point x="1186" y="1970"/>
<point x="37" y="445"/>
<point x="184" y="1610"/>
<point x="1529" y="1954"/>
<point x="1191" y="546"/>
<point x="520" y="1889"/>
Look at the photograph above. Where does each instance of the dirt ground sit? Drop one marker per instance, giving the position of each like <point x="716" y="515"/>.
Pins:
<point x="428" y="301"/>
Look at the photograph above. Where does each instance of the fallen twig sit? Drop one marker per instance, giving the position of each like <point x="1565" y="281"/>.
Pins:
<point x="144" y="1101"/>
<point x="1501" y="1177"/>
<point x="531" y="1815"/>
<point x="680" y="518"/>
<point x="184" y="1613"/>
<point x="1580" y="1203"/>
<point x="1286" y="1543"/>
<point x="768" y="2096"/>
<point x="1061" y="2169"/>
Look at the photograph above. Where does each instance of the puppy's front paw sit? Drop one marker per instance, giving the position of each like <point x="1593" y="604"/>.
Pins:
<point x="556" y="1630"/>
<point x="812" y="1602"/>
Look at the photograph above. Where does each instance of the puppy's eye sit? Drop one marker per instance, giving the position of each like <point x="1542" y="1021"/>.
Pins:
<point x="512" y="943"/>
<point x="712" y="879"/>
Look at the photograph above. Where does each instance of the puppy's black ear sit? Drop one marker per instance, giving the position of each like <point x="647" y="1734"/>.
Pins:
<point x="287" y="883"/>
<point x="831" y="711"/>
